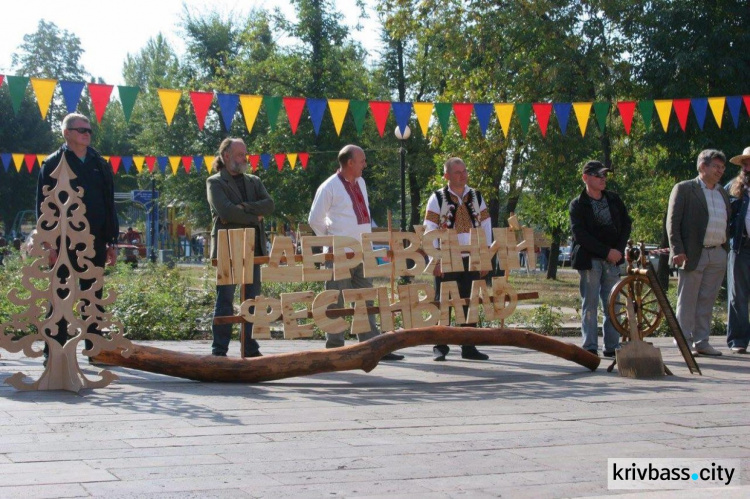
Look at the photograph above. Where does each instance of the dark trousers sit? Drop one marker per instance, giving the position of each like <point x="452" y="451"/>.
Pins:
<point x="225" y="307"/>
<point x="738" y="291"/>
<point x="464" y="280"/>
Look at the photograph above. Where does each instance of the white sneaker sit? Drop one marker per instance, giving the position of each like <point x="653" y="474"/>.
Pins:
<point x="707" y="350"/>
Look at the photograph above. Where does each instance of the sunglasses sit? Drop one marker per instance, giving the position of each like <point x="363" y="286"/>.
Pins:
<point x="598" y="175"/>
<point x="82" y="130"/>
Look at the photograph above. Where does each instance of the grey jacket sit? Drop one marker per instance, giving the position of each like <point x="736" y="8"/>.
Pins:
<point x="228" y="210"/>
<point x="687" y="220"/>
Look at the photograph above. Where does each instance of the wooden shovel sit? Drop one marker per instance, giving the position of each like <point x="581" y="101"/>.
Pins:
<point x="636" y="358"/>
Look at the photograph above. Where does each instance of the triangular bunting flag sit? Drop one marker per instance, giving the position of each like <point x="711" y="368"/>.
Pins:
<point x="484" y="113"/>
<point x="562" y="112"/>
<point x="138" y="161"/>
<point x="17" y="88"/>
<point x="186" y="162"/>
<point x="734" y="103"/>
<point x="169" y="100"/>
<point x="115" y="162"/>
<point x="358" y="108"/>
<point x="273" y="106"/>
<point x="402" y="113"/>
<point x="17" y="158"/>
<point x="209" y="161"/>
<point x="423" y="110"/>
<point x="198" y="163"/>
<point x="746" y="100"/>
<point x="1" y="80"/>
<point x="646" y="108"/>
<point x="681" y="109"/>
<point x="265" y="159"/>
<point x="280" y="157"/>
<point x="40" y="159"/>
<point x="162" y="161"/>
<point x="294" y="107"/>
<point x="127" y="163"/>
<point x="523" y="110"/>
<point x="626" y="108"/>
<point x="250" y="107"/>
<point x="443" y="111"/>
<point x="254" y="158"/>
<point x="542" y="111"/>
<point x="201" y="104"/>
<point x="380" y="110"/>
<point x="43" y="89"/>
<point x="99" y="94"/>
<point x="128" y="96"/>
<point x="717" y="109"/>
<point x="601" y="110"/>
<point x="303" y="157"/>
<point x="150" y="162"/>
<point x="462" y="110"/>
<point x="292" y="157"/>
<point x="30" y="160"/>
<point x="6" y="157"/>
<point x="174" y="162"/>
<point x="338" y="108"/>
<point x="71" y="91"/>
<point x="582" y="111"/>
<point x="227" y="107"/>
<point x="700" y="106"/>
<point x="504" y="112"/>
<point x="316" y="108"/>
<point x="663" y="110"/>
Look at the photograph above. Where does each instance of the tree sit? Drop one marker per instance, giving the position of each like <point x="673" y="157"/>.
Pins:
<point x="50" y="53"/>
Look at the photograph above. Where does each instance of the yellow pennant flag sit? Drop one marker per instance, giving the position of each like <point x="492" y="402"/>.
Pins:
<point x="583" y="111"/>
<point x="18" y="161"/>
<point x="292" y="156"/>
<point x="169" y="100"/>
<point x="174" y="162"/>
<point x="106" y="158"/>
<point x="504" y="112"/>
<point x="423" y="110"/>
<point x="43" y="89"/>
<point x="717" y="108"/>
<point x="209" y="162"/>
<point x="664" y="110"/>
<point x="40" y="158"/>
<point x="138" y="161"/>
<point x="250" y="107"/>
<point x="338" y="109"/>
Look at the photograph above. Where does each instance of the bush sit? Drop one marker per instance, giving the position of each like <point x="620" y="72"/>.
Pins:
<point x="545" y="320"/>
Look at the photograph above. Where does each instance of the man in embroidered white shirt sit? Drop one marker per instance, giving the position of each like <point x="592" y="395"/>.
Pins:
<point x="457" y="206"/>
<point x="341" y="208"/>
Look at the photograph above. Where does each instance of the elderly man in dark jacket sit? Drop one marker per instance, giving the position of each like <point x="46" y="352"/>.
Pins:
<point x="237" y="200"/>
<point x="601" y="227"/>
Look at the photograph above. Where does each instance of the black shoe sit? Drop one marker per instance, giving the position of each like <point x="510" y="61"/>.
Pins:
<point x="470" y="352"/>
<point x="609" y="354"/>
<point x="592" y="351"/>
<point x="392" y="356"/>
<point x="253" y="354"/>
<point x="439" y="352"/>
<point x="219" y="354"/>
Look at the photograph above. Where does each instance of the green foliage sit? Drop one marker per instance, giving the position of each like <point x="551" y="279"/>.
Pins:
<point x="546" y="320"/>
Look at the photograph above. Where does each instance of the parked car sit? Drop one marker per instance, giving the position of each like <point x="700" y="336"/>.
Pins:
<point x="563" y="258"/>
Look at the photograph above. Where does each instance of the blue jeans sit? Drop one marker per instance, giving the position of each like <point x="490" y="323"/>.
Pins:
<point x="225" y="307"/>
<point x="738" y="289"/>
<point x="595" y="285"/>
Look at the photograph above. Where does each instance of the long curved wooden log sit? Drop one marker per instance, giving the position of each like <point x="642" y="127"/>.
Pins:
<point x="365" y="355"/>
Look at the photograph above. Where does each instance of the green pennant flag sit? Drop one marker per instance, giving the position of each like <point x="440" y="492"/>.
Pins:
<point x="358" y="108"/>
<point x="273" y="106"/>
<point x="443" y="111"/>
<point x="127" y="99"/>
<point x="601" y="110"/>
<point x="523" y="110"/>
<point x="17" y="88"/>
<point x="646" y="108"/>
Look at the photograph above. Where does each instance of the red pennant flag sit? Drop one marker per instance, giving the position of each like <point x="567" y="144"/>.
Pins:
<point x="745" y="98"/>
<point x="115" y="162"/>
<point x="303" y="157"/>
<point x="380" y="110"/>
<point x="30" y="160"/>
<point x="254" y="158"/>
<point x="542" y="110"/>
<point x="463" y="115"/>
<point x="294" y="107"/>
<point x="100" y="98"/>
<point x="150" y="161"/>
<point x="626" y="108"/>
<point x="186" y="162"/>
<point x="201" y="104"/>
<point x="280" y="157"/>
<point x="2" y="77"/>
<point x="681" y="109"/>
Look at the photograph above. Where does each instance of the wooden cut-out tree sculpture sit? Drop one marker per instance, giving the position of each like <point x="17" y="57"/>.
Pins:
<point x="53" y="294"/>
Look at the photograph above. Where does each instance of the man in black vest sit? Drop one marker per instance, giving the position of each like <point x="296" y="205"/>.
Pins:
<point x="457" y="206"/>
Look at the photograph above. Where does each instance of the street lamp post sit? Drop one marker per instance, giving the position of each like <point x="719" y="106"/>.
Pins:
<point x="402" y="136"/>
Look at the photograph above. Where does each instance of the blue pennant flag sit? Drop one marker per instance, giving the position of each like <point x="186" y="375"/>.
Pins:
<point x="162" y="161"/>
<point x="316" y="108"/>
<point x="197" y="163"/>
<point x="700" y="106"/>
<point x="484" y="113"/>
<point x="71" y="91"/>
<point x="734" y="103"/>
<point x="562" y="111"/>
<point x="265" y="158"/>
<point x="402" y="112"/>
<point x="127" y="163"/>
<point x="228" y="106"/>
<point x="7" y="158"/>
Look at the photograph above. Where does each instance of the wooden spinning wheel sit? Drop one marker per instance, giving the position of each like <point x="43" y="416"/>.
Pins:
<point x="636" y="289"/>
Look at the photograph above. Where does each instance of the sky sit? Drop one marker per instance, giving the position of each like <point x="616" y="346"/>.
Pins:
<point x="110" y="30"/>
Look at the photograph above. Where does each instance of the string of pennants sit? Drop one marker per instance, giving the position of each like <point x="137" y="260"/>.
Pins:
<point x="228" y="102"/>
<point x="188" y="163"/>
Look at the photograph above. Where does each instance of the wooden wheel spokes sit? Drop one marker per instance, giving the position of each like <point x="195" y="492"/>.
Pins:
<point x="636" y="289"/>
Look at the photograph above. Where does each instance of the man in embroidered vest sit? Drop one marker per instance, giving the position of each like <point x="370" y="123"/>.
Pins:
<point x="461" y="208"/>
<point x="601" y="227"/>
<point x="341" y="208"/>
<point x="698" y="244"/>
